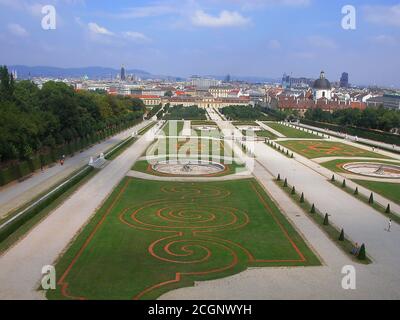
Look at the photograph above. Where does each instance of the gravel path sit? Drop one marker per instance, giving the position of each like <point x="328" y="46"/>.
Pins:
<point x="21" y="265"/>
<point x="16" y="194"/>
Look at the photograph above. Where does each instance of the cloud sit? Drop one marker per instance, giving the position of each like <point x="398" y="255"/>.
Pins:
<point x="17" y="30"/>
<point x="102" y="35"/>
<point x="256" y="4"/>
<point x="224" y="19"/>
<point x="321" y="42"/>
<point x="383" y="15"/>
<point x="274" y="44"/>
<point x="384" y="39"/>
<point x="96" y="29"/>
<point x="136" y="36"/>
<point x="148" y="11"/>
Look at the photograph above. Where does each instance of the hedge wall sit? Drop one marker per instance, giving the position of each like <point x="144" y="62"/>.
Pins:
<point x="31" y="212"/>
<point x="381" y="136"/>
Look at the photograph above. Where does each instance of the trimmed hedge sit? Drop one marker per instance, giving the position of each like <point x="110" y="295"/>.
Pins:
<point x="31" y="212"/>
<point x="381" y="136"/>
<point x="119" y="148"/>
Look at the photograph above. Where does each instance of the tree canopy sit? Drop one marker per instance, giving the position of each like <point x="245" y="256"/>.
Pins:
<point x="239" y="112"/>
<point x="33" y="120"/>
<point x="187" y="113"/>
<point x="371" y="118"/>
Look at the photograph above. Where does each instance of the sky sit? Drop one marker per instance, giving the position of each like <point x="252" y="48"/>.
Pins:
<point x="264" y="38"/>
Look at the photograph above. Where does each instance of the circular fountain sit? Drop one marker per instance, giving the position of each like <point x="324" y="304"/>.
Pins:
<point x="250" y="128"/>
<point x="373" y="169"/>
<point x="205" y="128"/>
<point x="188" y="167"/>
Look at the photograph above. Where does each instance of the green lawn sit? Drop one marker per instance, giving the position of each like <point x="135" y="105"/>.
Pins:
<point x="318" y="149"/>
<point x="388" y="190"/>
<point x="245" y="123"/>
<point x="291" y="132"/>
<point x="151" y="237"/>
<point x="262" y="134"/>
<point x="203" y="123"/>
<point x="173" y="128"/>
<point x="192" y="147"/>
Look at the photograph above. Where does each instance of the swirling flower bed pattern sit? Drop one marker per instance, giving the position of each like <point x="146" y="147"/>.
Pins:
<point x="316" y="149"/>
<point x="193" y="232"/>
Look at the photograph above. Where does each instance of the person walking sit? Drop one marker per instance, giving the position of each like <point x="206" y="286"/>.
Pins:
<point x="389" y="225"/>
<point x="355" y="249"/>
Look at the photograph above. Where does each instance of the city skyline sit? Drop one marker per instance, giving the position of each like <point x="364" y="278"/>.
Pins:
<point x="210" y="37"/>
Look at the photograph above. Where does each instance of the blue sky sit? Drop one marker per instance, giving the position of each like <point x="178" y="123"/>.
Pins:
<point x="184" y="37"/>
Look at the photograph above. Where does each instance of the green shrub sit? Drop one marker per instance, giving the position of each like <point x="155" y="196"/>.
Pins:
<point x="17" y="223"/>
<point x="326" y="220"/>
<point x="371" y="199"/>
<point x="341" y="237"/>
<point x="362" y="254"/>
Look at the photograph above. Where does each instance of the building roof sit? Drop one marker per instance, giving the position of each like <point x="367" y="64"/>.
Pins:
<point x="322" y="83"/>
<point x="324" y="104"/>
<point x="145" y="96"/>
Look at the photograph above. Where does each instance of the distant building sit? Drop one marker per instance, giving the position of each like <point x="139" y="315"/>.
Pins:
<point x="344" y="80"/>
<point x="302" y="105"/>
<point x="149" y="100"/>
<point x="228" y="78"/>
<point x="209" y="101"/>
<point x="288" y="82"/>
<point x="322" y="88"/>
<point x="203" y="83"/>
<point x="220" y="91"/>
<point x="123" y="74"/>
<point x="391" y="101"/>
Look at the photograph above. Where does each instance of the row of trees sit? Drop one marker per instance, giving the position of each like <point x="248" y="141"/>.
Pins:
<point x="187" y="113"/>
<point x="239" y="112"/>
<point x="33" y="120"/>
<point x="370" y="118"/>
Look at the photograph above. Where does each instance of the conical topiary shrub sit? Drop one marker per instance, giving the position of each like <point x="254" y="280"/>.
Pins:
<point x="344" y="184"/>
<point x="333" y="178"/>
<point x="302" y="198"/>
<point x="387" y="208"/>
<point x="312" y="208"/>
<point x="293" y="190"/>
<point x="371" y="198"/>
<point x="326" y="220"/>
<point x="356" y="191"/>
<point x="341" y="237"/>
<point x="361" y="254"/>
<point x="285" y="184"/>
<point x="292" y="156"/>
<point x="279" y="177"/>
